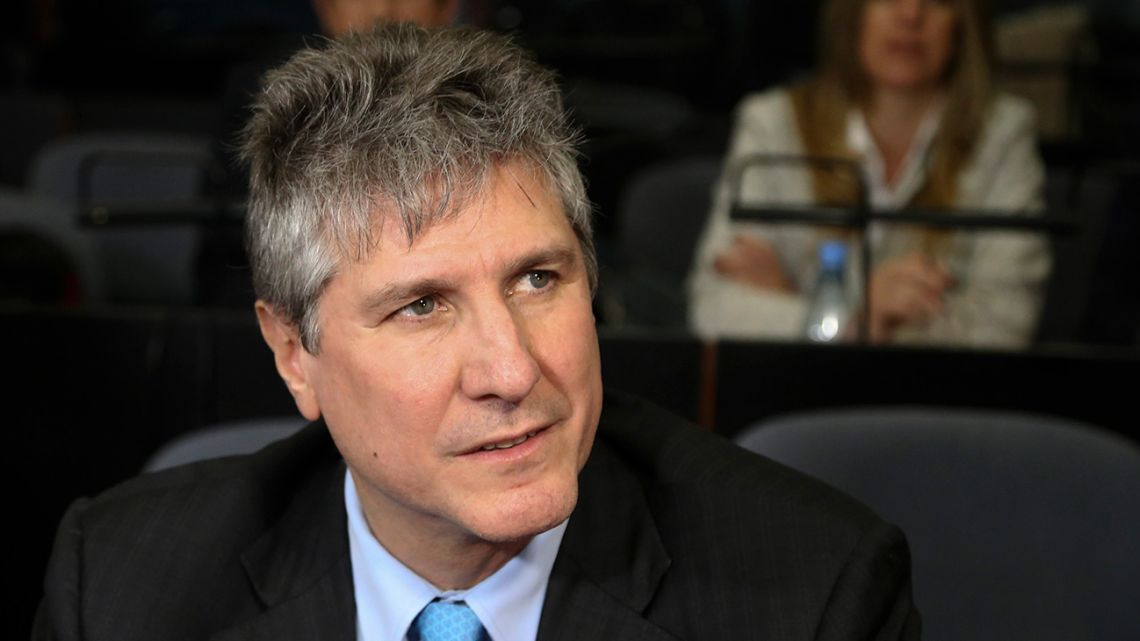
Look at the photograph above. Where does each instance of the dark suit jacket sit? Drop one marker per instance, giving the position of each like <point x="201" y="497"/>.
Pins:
<point x="678" y="534"/>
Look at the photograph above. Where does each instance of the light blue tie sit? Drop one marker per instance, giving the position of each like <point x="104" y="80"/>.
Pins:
<point x="440" y="621"/>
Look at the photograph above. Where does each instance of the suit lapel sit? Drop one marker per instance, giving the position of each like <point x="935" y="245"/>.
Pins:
<point x="321" y="611"/>
<point x="301" y="570"/>
<point x="611" y="561"/>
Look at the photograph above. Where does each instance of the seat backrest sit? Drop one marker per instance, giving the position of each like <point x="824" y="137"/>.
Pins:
<point x="151" y="264"/>
<point x="661" y="214"/>
<point x="663" y="210"/>
<point x="1020" y="526"/>
<point x="121" y="167"/>
<point x="225" y="439"/>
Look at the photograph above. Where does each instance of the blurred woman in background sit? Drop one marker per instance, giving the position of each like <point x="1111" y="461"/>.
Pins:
<point x="904" y="90"/>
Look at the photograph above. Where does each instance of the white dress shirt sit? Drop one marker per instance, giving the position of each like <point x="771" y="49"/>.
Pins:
<point x="389" y="595"/>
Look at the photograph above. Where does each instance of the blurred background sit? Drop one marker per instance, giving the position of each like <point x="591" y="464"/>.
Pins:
<point x="125" y="299"/>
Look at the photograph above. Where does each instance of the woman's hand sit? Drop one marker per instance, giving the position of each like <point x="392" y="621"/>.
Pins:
<point x="907" y="290"/>
<point x="752" y="261"/>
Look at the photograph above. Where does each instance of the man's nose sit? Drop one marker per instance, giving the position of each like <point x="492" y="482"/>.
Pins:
<point x="500" y="361"/>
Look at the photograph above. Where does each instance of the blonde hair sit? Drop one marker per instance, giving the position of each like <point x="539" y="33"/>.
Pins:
<point x="821" y="106"/>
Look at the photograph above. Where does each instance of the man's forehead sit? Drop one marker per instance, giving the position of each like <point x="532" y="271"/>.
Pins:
<point x="489" y="242"/>
<point x="458" y="213"/>
<point x="513" y="213"/>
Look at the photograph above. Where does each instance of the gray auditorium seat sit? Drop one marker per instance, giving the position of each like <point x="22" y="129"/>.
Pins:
<point x="1020" y="526"/>
<point x="225" y="439"/>
<point x="143" y="264"/>
<point x="661" y="216"/>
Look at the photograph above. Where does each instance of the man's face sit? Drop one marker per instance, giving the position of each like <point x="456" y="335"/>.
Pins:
<point x="460" y="376"/>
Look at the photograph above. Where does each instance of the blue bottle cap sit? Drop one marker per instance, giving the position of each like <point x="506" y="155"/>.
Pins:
<point x="832" y="255"/>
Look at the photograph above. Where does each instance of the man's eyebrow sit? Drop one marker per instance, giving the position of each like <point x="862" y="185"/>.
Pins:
<point x="393" y="294"/>
<point x="399" y="293"/>
<point x="560" y="254"/>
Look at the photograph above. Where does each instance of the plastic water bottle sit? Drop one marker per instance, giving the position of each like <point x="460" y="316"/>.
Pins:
<point x="830" y="310"/>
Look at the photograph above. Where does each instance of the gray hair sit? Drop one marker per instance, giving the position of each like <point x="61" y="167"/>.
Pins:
<point x="401" y="123"/>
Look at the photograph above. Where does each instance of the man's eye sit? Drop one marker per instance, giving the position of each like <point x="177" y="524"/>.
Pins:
<point x="420" y="307"/>
<point x="538" y="279"/>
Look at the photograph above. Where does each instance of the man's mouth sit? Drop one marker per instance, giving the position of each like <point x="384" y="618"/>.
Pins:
<point x="511" y="443"/>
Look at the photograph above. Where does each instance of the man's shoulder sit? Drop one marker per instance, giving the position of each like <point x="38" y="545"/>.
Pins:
<point x="671" y="456"/>
<point x="773" y="552"/>
<point x="223" y="483"/>
<point x="204" y="512"/>
<point x="173" y="548"/>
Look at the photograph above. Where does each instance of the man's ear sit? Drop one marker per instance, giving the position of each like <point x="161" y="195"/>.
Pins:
<point x="289" y="356"/>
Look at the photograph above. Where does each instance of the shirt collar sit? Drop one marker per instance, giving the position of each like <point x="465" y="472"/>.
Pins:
<point x="881" y="195"/>
<point x="389" y="595"/>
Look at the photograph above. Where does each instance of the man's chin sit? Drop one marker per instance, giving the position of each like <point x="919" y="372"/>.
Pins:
<point x="520" y="518"/>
